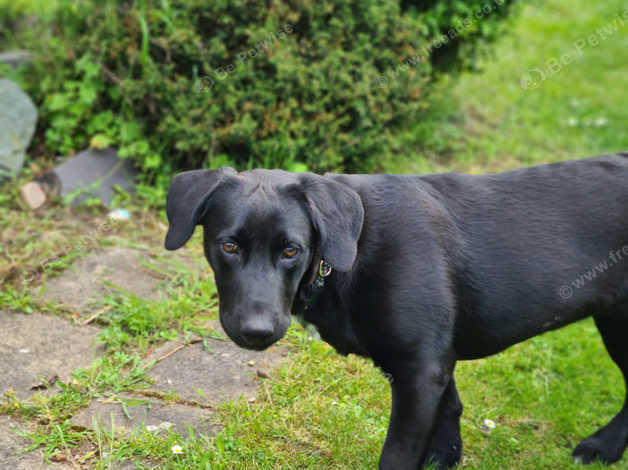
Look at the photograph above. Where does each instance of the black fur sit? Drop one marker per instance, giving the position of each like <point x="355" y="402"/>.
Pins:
<point x="428" y="270"/>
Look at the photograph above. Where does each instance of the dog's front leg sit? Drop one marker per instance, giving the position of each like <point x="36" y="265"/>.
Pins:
<point x="416" y="394"/>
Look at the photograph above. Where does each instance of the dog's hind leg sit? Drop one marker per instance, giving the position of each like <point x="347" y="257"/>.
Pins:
<point x="608" y="443"/>
<point x="446" y="448"/>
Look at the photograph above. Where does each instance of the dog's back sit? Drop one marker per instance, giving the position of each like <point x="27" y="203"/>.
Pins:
<point x="543" y="246"/>
<point x="536" y="248"/>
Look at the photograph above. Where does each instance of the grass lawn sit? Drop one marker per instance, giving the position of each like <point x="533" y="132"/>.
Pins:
<point x="323" y="411"/>
<point x="491" y="122"/>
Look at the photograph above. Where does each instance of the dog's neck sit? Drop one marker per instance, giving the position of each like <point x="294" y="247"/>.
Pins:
<point x="312" y="285"/>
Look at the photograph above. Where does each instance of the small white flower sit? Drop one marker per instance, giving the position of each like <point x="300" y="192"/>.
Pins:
<point x="488" y="425"/>
<point x="165" y="425"/>
<point x="177" y="449"/>
<point x="151" y="428"/>
<point x="601" y="122"/>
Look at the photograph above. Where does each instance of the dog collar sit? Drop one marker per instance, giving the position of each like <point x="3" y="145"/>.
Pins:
<point x="311" y="293"/>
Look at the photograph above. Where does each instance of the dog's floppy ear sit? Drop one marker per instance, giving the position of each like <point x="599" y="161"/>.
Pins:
<point x="188" y="198"/>
<point x="337" y="214"/>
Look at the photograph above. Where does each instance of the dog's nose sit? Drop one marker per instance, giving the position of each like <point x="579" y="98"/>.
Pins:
<point x="257" y="331"/>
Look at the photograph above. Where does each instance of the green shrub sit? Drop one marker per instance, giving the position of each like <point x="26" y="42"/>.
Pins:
<point x="322" y="85"/>
<point x="474" y="24"/>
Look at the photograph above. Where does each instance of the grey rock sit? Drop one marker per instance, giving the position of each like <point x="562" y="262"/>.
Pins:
<point x="15" y="58"/>
<point x="38" y="348"/>
<point x="146" y="412"/>
<point x="92" y="174"/>
<point x="12" y="455"/>
<point x="81" y="286"/>
<point x="211" y="377"/>
<point x="18" y="116"/>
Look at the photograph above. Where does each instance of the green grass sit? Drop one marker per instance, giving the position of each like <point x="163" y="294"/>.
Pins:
<point x="323" y="411"/>
<point x="489" y="122"/>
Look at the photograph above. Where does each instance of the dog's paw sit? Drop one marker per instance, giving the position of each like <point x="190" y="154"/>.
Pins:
<point x="445" y="456"/>
<point x="593" y="448"/>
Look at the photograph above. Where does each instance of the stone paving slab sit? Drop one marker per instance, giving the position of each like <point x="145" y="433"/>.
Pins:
<point x="12" y="447"/>
<point x="195" y="376"/>
<point x="211" y="377"/>
<point x="36" y="347"/>
<point x="146" y="412"/>
<point x="84" y="282"/>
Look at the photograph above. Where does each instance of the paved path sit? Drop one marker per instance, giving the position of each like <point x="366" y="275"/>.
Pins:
<point x="188" y="381"/>
<point x="12" y="455"/>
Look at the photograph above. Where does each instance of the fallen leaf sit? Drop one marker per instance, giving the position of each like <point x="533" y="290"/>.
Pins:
<point x="45" y="384"/>
<point x="58" y="458"/>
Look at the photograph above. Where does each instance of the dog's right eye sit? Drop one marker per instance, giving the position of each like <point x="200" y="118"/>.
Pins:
<point x="289" y="252"/>
<point x="230" y="247"/>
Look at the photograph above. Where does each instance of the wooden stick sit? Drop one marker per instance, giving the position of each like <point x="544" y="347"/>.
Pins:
<point x="93" y="317"/>
<point x="178" y="348"/>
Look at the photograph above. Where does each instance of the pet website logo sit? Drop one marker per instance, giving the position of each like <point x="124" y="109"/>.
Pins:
<point x="615" y="257"/>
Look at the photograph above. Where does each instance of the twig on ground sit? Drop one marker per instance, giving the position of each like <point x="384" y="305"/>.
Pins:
<point x="178" y="348"/>
<point x="94" y="316"/>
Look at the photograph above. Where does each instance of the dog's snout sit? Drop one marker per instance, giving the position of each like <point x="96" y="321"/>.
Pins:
<point x="258" y="330"/>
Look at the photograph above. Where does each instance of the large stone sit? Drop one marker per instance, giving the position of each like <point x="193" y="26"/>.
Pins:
<point x="38" y="349"/>
<point x="144" y="412"/>
<point x="18" y="116"/>
<point x="12" y="455"/>
<point x="211" y="377"/>
<point x="88" y="279"/>
<point x="91" y="174"/>
<point x="15" y="57"/>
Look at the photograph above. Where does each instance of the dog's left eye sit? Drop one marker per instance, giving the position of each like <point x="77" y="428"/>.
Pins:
<point x="289" y="252"/>
<point x="230" y="247"/>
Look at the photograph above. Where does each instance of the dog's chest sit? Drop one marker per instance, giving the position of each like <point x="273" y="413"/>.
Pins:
<point x="334" y="326"/>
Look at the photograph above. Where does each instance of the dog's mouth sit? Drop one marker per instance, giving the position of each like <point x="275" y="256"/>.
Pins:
<point x="255" y="345"/>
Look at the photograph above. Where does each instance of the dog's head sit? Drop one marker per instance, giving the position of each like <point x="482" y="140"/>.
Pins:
<point x="264" y="232"/>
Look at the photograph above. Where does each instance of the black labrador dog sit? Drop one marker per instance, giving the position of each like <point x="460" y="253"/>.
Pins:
<point x="418" y="272"/>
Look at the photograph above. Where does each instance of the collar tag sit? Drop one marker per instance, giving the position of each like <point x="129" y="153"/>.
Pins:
<point x="324" y="269"/>
<point x="309" y="294"/>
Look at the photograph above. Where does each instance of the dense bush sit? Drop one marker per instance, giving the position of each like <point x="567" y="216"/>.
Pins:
<point x="321" y="84"/>
<point x="481" y="22"/>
